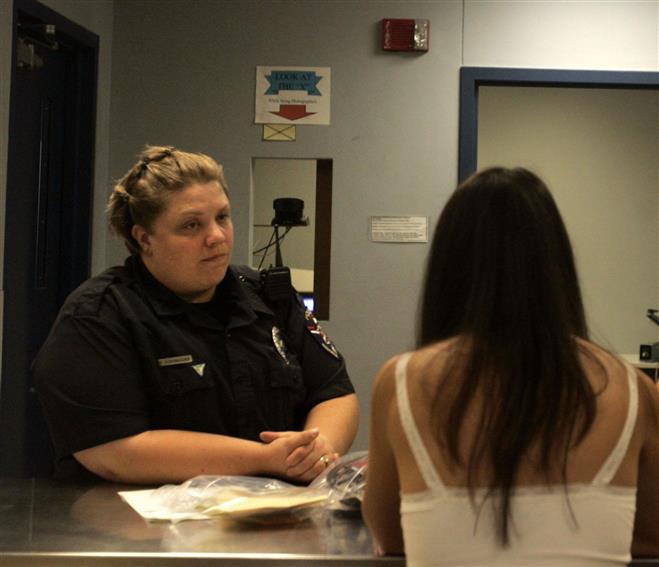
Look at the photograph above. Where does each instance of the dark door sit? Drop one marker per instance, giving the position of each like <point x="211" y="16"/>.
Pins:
<point x="47" y="218"/>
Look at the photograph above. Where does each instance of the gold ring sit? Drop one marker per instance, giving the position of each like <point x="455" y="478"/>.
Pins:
<point x="325" y="460"/>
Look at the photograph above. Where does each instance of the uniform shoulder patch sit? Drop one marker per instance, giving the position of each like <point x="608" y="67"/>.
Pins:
<point x="317" y="333"/>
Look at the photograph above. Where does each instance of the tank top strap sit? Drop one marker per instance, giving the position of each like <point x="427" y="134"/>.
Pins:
<point x="612" y="462"/>
<point x="427" y="469"/>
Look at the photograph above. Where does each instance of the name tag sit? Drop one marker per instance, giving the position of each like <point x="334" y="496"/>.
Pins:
<point x="175" y="360"/>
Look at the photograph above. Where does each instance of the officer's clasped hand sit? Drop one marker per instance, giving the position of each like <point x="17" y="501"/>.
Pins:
<point x="299" y="455"/>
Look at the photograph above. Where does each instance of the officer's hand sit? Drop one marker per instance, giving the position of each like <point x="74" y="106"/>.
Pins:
<point x="280" y="444"/>
<point x="305" y="461"/>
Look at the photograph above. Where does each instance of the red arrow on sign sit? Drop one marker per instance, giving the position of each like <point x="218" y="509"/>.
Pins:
<point x="292" y="111"/>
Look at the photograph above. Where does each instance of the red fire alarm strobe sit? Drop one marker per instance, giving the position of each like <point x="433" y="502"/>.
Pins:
<point x="405" y="35"/>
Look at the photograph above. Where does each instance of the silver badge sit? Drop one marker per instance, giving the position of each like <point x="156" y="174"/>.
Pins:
<point x="279" y="344"/>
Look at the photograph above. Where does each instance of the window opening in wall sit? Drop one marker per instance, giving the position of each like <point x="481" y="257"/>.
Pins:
<point x="302" y="243"/>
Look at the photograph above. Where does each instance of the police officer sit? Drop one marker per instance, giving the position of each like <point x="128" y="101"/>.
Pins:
<point x="177" y="364"/>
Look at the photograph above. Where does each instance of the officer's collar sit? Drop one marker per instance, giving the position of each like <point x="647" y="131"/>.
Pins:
<point x="164" y="301"/>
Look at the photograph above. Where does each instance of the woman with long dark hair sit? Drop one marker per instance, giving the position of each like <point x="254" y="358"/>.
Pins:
<point x="507" y="437"/>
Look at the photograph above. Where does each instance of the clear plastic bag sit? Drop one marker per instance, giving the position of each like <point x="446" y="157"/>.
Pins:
<point x="345" y="479"/>
<point x="244" y="498"/>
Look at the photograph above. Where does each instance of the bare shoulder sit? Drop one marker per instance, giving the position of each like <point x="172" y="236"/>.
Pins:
<point x="427" y="365"/>
<point x="606" y="372"/>
<point x="384" y="382"/>
<point x="607" y="361"/>
<point x="648" y="401"/>
<point x="648" y="391"/>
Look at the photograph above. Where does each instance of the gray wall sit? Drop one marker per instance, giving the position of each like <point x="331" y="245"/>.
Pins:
<point x="183" y="73"/>
<point x="555" y="34"/>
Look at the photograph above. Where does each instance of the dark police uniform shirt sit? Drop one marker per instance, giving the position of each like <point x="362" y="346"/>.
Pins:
<point x="126" y="355"/>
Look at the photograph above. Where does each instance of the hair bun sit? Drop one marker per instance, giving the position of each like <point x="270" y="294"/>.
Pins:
<point x="123" y="195"/>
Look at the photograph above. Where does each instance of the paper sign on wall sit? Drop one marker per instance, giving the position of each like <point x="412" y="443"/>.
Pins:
<point x="399" y="229"/>
<point x="287" y="95"/>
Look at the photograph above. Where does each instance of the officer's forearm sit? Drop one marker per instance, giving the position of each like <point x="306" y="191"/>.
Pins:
<point x="337" y="419"/>
<point x="172" y="456"/>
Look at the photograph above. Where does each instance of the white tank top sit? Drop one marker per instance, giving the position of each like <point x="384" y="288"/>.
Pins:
<point x="593" y="526"/>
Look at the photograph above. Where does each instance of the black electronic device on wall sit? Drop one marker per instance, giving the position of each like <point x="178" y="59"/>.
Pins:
<point x="650" y="352"/>
<point x="289" y="212"/>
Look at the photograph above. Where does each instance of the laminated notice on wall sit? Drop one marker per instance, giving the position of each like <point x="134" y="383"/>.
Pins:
<point x="287" y="94"/>
<point x="399" y="229"/>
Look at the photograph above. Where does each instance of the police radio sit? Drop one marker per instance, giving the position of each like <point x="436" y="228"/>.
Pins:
<point x="276" y="283"/>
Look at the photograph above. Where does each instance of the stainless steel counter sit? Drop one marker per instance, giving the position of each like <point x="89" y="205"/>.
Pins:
<point x="46" y="523"/>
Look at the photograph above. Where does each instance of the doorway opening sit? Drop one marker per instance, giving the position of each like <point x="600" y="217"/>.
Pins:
<point x="48" y="210"/>
<point x="592" y="137"/>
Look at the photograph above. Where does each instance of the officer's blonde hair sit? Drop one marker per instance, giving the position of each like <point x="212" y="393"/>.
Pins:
<point x="142" y="194"/>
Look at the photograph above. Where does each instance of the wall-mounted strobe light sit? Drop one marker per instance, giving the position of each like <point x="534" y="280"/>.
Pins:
<point x="405" y="35"/>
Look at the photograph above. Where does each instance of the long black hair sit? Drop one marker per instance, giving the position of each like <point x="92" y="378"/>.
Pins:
<point x="501" y="277"/>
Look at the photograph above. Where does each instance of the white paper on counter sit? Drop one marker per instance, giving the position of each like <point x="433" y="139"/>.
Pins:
<point x="229" y="503"/>
<point x="143" y="502"/>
